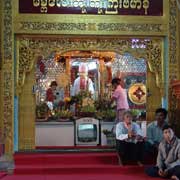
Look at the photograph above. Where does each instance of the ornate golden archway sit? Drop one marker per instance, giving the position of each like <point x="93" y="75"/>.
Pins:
<point x="30" y="47"/>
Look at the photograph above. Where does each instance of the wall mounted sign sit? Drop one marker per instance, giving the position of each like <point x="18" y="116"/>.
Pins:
<point x="114" y="7"/>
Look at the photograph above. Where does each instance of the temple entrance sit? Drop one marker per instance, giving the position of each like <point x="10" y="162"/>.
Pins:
<point x="102" y="59"/>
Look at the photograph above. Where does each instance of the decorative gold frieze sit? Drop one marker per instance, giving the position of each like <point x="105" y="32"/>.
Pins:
<point x="108" y="27"/>
<point x="52" y="26"/>
<point x="129" y="27"/>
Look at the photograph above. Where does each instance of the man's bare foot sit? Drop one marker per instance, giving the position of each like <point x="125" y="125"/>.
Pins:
<point x="139" y="163"/>
<point x="174" y="177"/>
<point x="120" y="161"/>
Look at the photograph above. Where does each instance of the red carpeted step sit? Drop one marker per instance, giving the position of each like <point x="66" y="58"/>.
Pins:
<point x="68" y="158"/>
<point x="77" y="169"/>
<point x="73" y="163"/>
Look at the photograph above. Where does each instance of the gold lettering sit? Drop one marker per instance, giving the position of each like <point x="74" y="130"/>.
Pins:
<point x="52" y="3"/>
<point x="113" y="4"/>
<point x="146" y="5"/>
<point x="84" y="10"/>
<point x="139" y="4"/>
<point x="126" y="4"/>
<point x="113" y="7"/>
<point x="43" y="2"/>
<point x="64" y="3"/>
<point x="133" y="4"/>
<point x="76" y="3"/>
<point x="81" y="4"/>
<point x="97" y="3"/>
<point x="43" y="10"/>
<point x="92" y="3"/>
<point x="120" y="3"/>
<point x="36" y="3"/>
<point x="111" y="12"/>
<point x="100" y="11"/>
<point x="58" y="3"/>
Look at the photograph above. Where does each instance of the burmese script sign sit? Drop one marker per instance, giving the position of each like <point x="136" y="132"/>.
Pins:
<point x="115" y="7"/>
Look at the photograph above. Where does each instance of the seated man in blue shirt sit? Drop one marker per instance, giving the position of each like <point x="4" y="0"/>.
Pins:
<point x="168" y="159"/>
<point x="130" y="140"/>
<point x="154" y="130"/>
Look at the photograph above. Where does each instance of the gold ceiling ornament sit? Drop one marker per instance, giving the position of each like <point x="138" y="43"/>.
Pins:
<point x="137" y="93"/>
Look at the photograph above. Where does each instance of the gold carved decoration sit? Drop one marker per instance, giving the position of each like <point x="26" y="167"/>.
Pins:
<point x="107" y="27"/>
<point x="129" y="27"/>
<point x="173" y="43"/>
<point x="32" y="46"/>
<point x="174" y="110"/>
<point x="137" y="93"/>
<point x="25" y="64"/>
<point x="174" y="63"/>
<point x="7" y="75"/>
<point x="7" y="29"/>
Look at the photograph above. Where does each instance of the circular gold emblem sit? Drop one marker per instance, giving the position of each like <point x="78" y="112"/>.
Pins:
<point x="137" y="93"/>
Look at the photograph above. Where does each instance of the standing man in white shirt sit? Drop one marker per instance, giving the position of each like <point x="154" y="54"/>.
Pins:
<point x="83" y="82"/>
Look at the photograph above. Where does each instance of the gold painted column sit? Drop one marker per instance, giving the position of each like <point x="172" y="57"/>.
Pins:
<point x="1" y="121"/>
<point x="7" y="81"/>
<point x="179" y="37"/>
<point x="174" y="62"/>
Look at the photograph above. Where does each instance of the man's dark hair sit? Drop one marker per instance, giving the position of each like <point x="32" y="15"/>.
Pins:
<point x="166" y="126"/>
<point x="116" y="81"/>
<point x="53" y="83"/>
<point x="162" y="110"/>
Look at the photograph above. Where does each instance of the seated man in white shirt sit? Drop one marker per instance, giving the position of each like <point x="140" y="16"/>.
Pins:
<point x="130" y="140"/>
